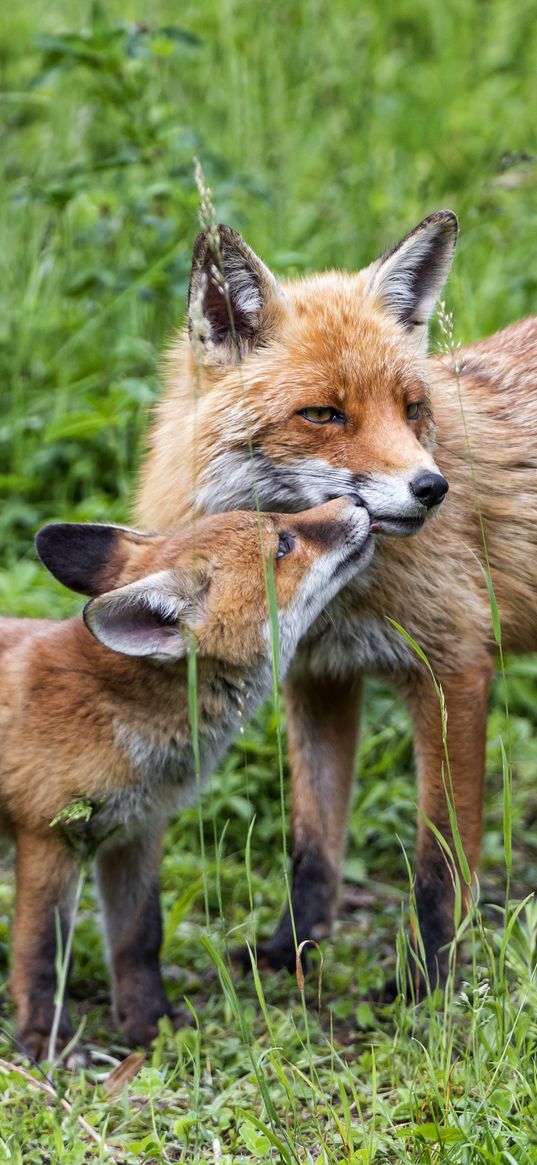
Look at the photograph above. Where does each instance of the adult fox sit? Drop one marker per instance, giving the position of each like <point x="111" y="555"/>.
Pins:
<point x="290" y="394"/>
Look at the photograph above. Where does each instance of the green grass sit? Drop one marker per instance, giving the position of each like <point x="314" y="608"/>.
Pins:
<point x="325" y="132"/>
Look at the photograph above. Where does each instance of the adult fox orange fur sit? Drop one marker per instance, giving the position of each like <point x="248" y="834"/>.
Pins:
<point x="295" y="392"/>
<point x="78" y="720"/>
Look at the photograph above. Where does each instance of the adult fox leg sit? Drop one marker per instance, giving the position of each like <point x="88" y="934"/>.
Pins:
<point x="128" y="880"/>
<point x="466" y="697"/>
<point x="323" y="720"/>
<point x="46" y="881"/>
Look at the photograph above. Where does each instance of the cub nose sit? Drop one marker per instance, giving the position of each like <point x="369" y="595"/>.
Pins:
<point x="429" y="488"/>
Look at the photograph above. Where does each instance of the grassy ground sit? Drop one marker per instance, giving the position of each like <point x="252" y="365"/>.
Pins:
<point x="326" y="132"/>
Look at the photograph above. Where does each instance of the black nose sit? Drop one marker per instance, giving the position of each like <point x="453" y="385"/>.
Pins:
<point x="429" y="488"/>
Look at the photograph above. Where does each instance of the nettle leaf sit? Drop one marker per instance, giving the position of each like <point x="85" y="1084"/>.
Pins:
<point x="80" y="810"/>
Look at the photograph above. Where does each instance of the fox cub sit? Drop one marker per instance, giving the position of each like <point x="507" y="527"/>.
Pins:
<point x="80" y="720"/>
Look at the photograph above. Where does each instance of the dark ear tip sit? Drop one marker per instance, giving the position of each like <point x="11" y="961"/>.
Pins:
<point x="46" y="538"/>
<point x="229" y="234"/>
<point x="203" y="241"/>
<point x="446" y="219"/>
<point x="451" y="221"/>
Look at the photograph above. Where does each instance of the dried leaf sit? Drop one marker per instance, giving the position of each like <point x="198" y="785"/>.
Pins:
<point x="123" y="1074"/>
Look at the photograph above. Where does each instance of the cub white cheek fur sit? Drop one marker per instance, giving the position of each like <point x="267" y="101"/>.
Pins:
<point x="325" y="579"/>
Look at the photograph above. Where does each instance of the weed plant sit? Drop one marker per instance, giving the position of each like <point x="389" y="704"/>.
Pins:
<point x="326" y="133"/>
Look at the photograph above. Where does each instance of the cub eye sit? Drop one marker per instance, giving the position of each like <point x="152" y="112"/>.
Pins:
<point x="286" y="544"/>
<point x="413" y="412"/>
<point x="322" y="416"/>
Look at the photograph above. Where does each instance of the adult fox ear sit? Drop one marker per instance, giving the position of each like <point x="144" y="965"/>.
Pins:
<point x="85" y="556"/>
<point x="150" y="617"/>
<point x="233" y="299"/>
<point x="407" y="280"/>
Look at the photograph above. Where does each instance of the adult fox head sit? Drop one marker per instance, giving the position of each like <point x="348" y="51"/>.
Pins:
<point x="291" y="394"/>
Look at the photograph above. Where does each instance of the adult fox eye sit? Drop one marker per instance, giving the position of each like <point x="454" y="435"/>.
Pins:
<point x="413" y="412"/>
<point x="286" y="544"/>
<point x="322" y="416"/>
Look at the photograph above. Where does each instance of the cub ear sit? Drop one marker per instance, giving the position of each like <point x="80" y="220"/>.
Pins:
<point x="86" y="557"/>
<point x="233" y="298"/>
<point x="149" y="617"/>
<point x="408" y="279"/>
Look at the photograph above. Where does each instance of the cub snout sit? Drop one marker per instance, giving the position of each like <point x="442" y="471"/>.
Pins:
<point x="340" y="520"/>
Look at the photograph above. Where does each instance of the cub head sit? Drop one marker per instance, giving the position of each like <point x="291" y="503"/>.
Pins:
<point x="210" y="582"/>
<point x="306" y="390"/>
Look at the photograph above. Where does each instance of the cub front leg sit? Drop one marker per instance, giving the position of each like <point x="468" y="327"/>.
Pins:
<point x="46" y="875"/>
<point x="129" y="885"/>
<point x="323" y="720"/>
<point x="466" y="697"/>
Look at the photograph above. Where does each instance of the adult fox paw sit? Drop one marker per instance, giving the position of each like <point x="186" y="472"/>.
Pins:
<point x="140" y="1030"/>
